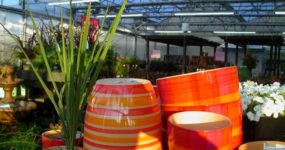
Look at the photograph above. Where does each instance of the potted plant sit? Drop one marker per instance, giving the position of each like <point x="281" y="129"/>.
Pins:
<point x="250" y="62"/>
<point x="80" y="71"/>
<point x="264" y="110"/>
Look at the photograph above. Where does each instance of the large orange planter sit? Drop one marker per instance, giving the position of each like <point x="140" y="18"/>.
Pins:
<point x="209" y="87"/>
<point x="122" y="114"/>
<point x="196" y="130"/>
<point x="214" y="90"/>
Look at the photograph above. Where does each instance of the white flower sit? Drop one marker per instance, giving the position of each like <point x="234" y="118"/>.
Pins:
<point x="253" y="117"/>
<point x="281" y="89"/>
<point x="264" y="89"/>
<point x="250" y="116"/>
<point x="260" y="100"/>
<point x="267" y="107"/>
<point x="244" y="105"/>
<point x="274" y="87"/>
<point x="249" y="83"/>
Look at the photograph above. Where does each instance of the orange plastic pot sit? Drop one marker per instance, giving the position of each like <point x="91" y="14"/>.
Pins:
<point x="156" y="93"/>
<point x="209" y="87"/>
<point x="53" y="138"/>
<point x="232" y="110"/>
<point x="214" y="91"/>
<point x="122" y="114"/>
<point x="61" y="148"/>
<point x="196" y="130"/>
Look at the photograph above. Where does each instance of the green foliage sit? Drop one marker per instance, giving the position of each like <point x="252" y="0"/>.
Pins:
<point x="126" y="66"/>
<point x="108" y="69"/>
<point x="162" y="66"/>
<point x="19" y="137"/>
<point x="38" y="60"/>
<point x="80" y="70"/>
<point x="249" y="61"/>
<point x="244" y="73"/>
<point x="282" y="65"/>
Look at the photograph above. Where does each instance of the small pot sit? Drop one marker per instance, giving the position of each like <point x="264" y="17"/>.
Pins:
<point x="60" y="148"/>
<point x="53" y="138"/>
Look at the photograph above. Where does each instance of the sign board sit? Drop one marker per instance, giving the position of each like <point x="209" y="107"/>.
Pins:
<point x="155" y="54"/>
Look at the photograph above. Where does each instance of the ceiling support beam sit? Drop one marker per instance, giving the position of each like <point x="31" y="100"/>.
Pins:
<point x="171" y="3"/>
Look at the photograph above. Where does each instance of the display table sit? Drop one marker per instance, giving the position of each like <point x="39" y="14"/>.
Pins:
<point x="259" y="145"/>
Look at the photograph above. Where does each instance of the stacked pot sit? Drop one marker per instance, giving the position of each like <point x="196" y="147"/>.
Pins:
<point x="214" y="91"/>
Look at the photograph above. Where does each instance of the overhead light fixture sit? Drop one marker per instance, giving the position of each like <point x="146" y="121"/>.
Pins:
<point x="170" y="32"/>
<point x="73" y="2"/>
<point x="279" y="12"/>
<point x="123" y="15"/>
<point x="235" y="32"/>
<point x="204" y="13"/>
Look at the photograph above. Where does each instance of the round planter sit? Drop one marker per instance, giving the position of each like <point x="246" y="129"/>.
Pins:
<point x="122" y="114"/>
<point x="260" y="145"/>
<point x="60" y="148"/>
<point x="196" y="130"/>
<point x="53" y="138"/>
<point x="215" y="90"/>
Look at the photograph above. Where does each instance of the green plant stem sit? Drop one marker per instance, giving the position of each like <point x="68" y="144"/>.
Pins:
<point x="79" y="76"/>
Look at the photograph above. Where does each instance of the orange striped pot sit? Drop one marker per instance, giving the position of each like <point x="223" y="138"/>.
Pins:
<point x="196" y="130"/>
<point x="214" y="90"/>
<point x="209" y="87"/>
<point x="122" y="114"/>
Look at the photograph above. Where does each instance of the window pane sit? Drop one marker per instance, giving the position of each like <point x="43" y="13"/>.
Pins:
<point x="13" y="3"/>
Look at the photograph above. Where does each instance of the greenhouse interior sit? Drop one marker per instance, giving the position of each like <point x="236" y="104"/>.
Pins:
<point x="142" y="74"/>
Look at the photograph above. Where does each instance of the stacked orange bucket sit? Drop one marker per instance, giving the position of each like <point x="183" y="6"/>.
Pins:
<point x="197" y="130"/>
<point x="122" y="114"/>
<point x="214" y="90"/>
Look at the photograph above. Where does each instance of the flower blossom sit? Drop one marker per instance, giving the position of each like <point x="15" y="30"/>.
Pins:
<point x="260" y="100"/>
